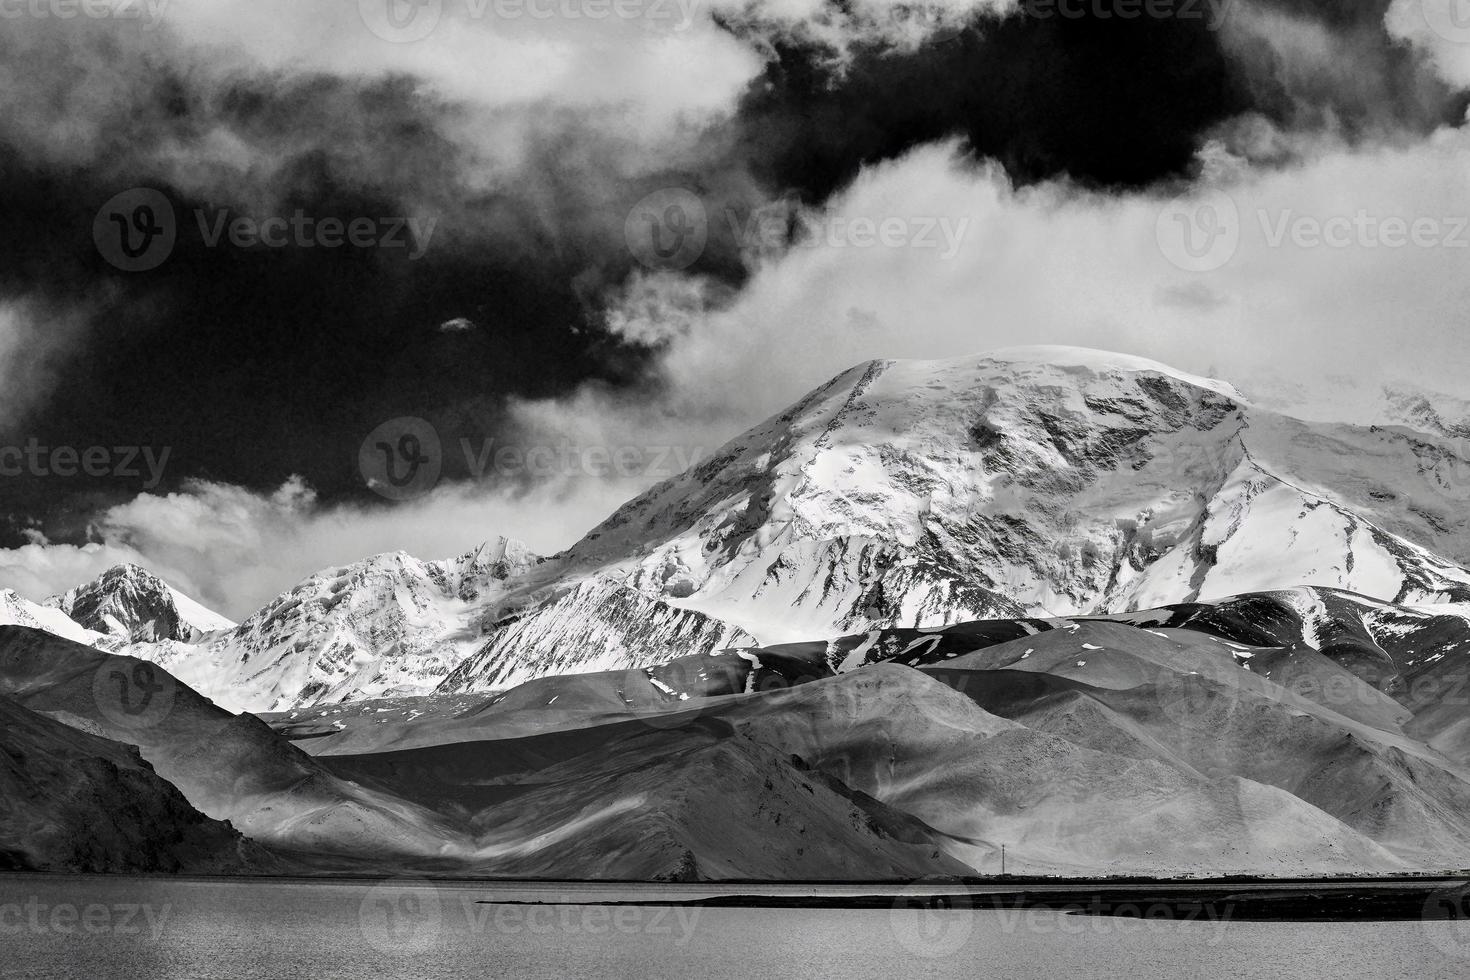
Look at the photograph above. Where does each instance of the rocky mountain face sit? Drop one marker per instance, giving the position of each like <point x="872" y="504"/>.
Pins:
<point x="1030" y="482"/>
<point x="229" y="767"/>
<point x="135" y="606"/>
<point x="629" y="801"/>
<point x="596" y="624"/>
<point x="1300" y="731"/>
<point x="1113" y="617"/>
<point x="390" y="624"/>
<point x="75" y="802"/>
<point x="1304" y="731"/>
<point x="1059" y="482"/>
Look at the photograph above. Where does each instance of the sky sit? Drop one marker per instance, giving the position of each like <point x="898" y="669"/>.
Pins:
<point x="289" y="283"/>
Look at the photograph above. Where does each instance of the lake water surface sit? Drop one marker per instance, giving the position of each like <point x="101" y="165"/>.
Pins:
<point x="88" y="928"/>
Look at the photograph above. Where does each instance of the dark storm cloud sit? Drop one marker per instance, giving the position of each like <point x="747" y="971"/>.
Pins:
<point x="255" y="363"/>
<point x="1106" y="102"/>
<point x="1074" y="89"/>
<point x="252" y="362"/>
<point x="1331" y="64"/>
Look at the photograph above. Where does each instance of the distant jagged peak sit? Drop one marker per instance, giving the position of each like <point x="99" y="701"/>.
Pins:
<point x="130" y="602"/>
<point x="1349" y="400"/>
<point x="1027" y="481"/>
<point x="498" y="554"/>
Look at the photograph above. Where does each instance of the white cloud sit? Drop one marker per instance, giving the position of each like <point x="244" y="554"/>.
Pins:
<point x="234" y="549"/>
<point x="1440" y="28"/>
<point x="1054" y="264"/>
<point x="487" y="58"/>
<point x="1049" y="264"/>
<point x="658" y="59"/>
<point x="42" y="569"/>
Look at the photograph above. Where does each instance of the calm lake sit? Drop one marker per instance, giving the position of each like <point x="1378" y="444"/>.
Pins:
<point x="88" y="928"/>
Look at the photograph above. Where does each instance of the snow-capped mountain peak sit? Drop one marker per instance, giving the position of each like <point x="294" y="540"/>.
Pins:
<point x="389" y="624"/>
<point x="1088" y="359"/>
<point x="1036" y="480"/>
<point x="1027" y="482"/>
<point x="131" y="603"/>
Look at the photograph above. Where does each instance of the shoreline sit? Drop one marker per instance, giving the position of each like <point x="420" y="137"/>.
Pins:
<point x="981" y="884"/>
<point x="1317" y="902"/>
<point x="1398" y="898"/>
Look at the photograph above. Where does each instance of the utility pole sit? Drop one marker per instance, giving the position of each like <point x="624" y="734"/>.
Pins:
<point x="1002" y="860"/>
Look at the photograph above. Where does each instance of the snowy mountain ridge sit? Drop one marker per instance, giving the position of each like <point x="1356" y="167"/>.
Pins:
<point x="18" y="611"/>
<point x="390" y="624"/>
<point x="134" y="605"/>
<point x="1028" y="482"/>
<point x="1059" y="488"/>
